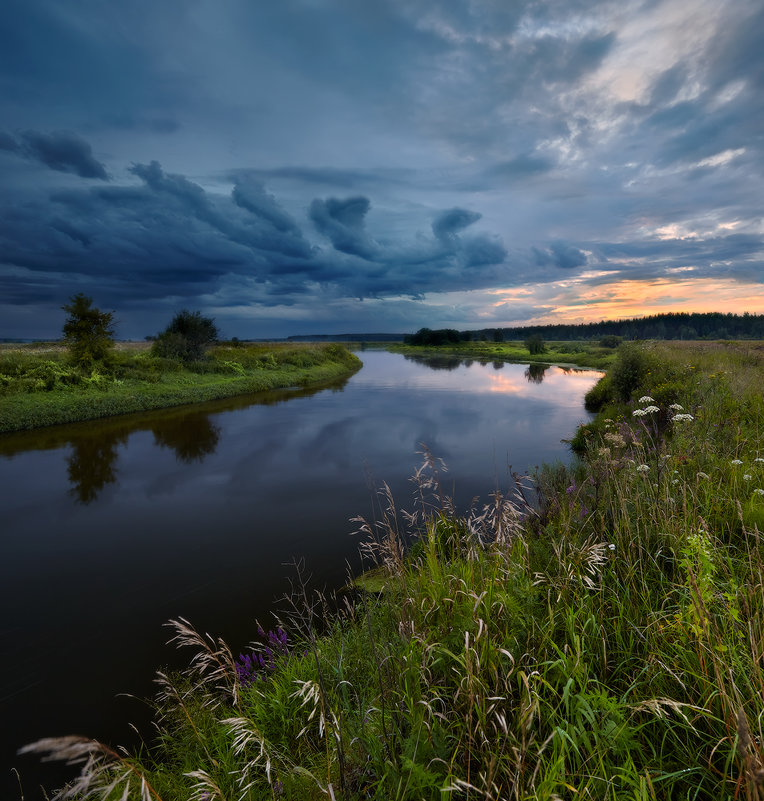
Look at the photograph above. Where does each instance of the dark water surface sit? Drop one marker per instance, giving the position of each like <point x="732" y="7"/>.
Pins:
<point x="108" y="529"/>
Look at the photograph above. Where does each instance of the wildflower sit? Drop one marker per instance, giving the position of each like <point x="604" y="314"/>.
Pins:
<point x="747" y="477"/>
<point x="681" y="417"/>
<point x="758" y="459"/>
<point x="646" y="399"/>
<point x="651" y="409"/>
<point x="675" y="481"/>
<point x="703" y="475"/>
<point x="611" y="545"/>
<point x="643" y="468"/>
<point x="675" y="407"/>
<point x="639" y="413"/>
<point x="736" y="462"/>
<point x="758" y="491"/>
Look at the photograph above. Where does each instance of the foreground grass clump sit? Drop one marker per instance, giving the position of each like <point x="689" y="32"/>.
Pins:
<point x="40" y="386"/>
<point x="604" y="643"/>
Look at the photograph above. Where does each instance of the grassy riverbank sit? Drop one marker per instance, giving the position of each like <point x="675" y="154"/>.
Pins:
<point x="582" y="354"/>
<point x="607" y="645"/>
<point x="39" y="387"/>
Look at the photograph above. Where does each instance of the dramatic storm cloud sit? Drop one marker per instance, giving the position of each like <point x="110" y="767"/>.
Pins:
<point x="311" y="167"/>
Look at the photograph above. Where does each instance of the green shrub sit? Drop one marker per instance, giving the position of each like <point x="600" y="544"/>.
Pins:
<point x="535" y="344"/>
<point x="629" y="371"/>
<point x="186" y="337"/>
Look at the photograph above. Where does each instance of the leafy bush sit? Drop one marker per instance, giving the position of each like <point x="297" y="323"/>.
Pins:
<point x="535" y="344"/>
<point x="610" y="341"/>
<point x="187" y="337"/>
<point x="629" y="371"/>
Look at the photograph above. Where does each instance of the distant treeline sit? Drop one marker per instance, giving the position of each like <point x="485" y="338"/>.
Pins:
<point x="346" y="338"/>
<point x="673" y="325"/>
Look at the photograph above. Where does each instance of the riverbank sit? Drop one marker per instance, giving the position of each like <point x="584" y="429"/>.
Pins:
<point x="39" y="388"/>
<point x="609" y="644"/>
<point x="579" y="354"/>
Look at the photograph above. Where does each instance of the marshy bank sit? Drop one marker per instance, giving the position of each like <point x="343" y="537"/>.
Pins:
<point x="609" y="644"/>
<point x="39" y="386"/>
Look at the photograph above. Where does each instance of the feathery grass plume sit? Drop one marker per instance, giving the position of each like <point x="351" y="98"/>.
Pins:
<point x="213" y="664"/>
<point x="205" y="788"/>
<point x="104" y="771"/>
<point x="498" y="523"/>
<point x="253" y="751"/>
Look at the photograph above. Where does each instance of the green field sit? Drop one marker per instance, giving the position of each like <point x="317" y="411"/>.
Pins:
<point x="604" y="643"/>
<point x="39" y="386"/>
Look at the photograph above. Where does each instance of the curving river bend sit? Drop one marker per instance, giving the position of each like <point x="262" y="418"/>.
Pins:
<point x="111" y="528"/>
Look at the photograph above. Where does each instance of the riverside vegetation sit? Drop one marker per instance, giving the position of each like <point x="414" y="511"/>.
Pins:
<point x="603" y="642"/>
<point x="42" y="385"/>
<point x="597" y="355"/>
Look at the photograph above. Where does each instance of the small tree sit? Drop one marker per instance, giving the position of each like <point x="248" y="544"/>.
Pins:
<point x="186" y="337"/>
<point x="88" y="332"/>
<point x="535" y="344"/>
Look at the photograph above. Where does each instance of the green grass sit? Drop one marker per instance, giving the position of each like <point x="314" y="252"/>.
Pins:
<point x="608" y="644"/>
<point x="39" y="387"/>
<point x="582" y="354"/>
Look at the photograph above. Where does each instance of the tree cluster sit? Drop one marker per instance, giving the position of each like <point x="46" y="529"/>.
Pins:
<point x="89" y="334"/>
<point x="186" y="337"/>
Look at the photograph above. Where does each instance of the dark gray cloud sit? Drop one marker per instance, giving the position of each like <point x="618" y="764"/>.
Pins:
<point x="313" y="154"/>
<point x="447" y="224"/>
<point x="342" y="221"/>
<point x="62" y="151"/>
<point x="560" y="254"/>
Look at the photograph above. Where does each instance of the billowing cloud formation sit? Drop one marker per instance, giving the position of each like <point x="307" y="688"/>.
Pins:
<point x="519" y="150"/>
<point x="446" y="225"/>
<point x="561" y="254"/>
<point x="342" y="221"/>
<point x="62" y="151"/>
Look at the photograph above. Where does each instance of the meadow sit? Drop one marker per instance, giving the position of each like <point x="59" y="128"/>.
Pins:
<point x="39" y="385"/>
<point x="605" y="641"/>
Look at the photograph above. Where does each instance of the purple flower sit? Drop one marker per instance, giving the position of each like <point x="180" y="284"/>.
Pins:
<point x="253" y="666"/>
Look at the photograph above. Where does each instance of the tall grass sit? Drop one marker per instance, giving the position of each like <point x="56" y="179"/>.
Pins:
<point x="607" y="643"/>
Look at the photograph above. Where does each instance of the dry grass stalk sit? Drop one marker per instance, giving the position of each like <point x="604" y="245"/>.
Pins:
<point x="213" y="663"/>
<point x="104" y="770"/>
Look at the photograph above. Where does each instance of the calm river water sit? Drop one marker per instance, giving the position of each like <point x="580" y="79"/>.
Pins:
<point x="111" y="528"/>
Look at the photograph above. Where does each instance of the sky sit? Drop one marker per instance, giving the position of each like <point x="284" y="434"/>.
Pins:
<point x="330" y="166"/>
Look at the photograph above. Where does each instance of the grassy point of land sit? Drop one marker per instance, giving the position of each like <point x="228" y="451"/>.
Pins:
<point x="40" y="387"/>
<point x="608" y="644"/>
<point x="579" y="354"/>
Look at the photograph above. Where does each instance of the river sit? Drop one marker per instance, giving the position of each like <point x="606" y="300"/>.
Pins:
<point x="110" y="528"/>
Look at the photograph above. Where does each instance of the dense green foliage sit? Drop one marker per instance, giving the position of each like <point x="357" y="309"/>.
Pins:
<point x="441" y="336"/>
<point x="535" y="344"/>
<point x="187" y="337"/>
<point x="38" y="387"/>
<point x="673" y="325"/>
<point x="88" y="332"/>
<point x="605" y="643"/>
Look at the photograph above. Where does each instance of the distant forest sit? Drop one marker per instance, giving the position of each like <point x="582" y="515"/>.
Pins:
<point x="673" y="325"/>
